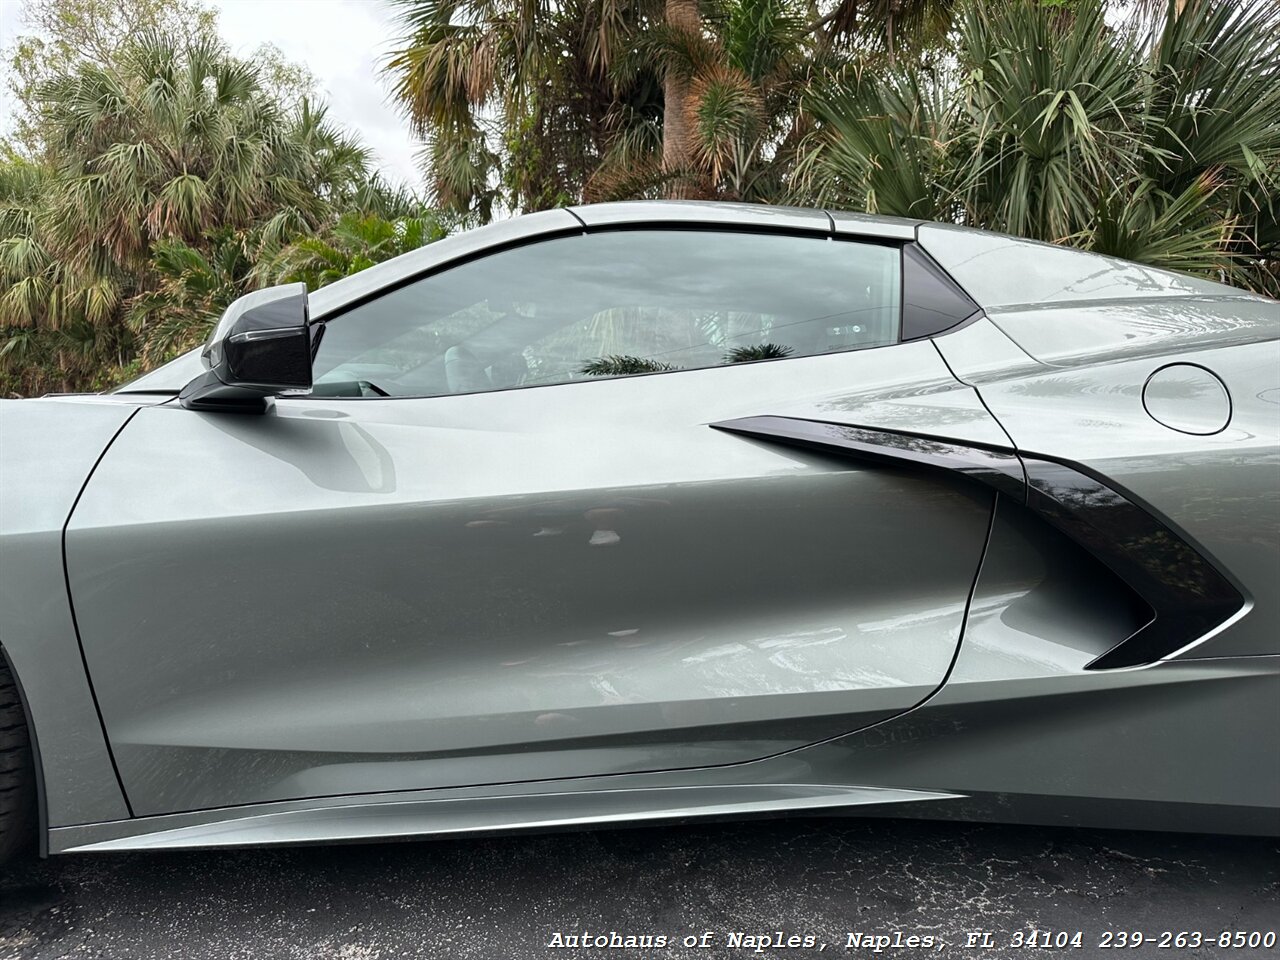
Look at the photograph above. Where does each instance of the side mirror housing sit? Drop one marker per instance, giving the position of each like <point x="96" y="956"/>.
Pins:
<point x="262" y="346"/>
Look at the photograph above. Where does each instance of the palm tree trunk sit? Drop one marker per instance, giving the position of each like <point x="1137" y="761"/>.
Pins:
<point x="677" y="104"/>
<point x="894" y="7"/>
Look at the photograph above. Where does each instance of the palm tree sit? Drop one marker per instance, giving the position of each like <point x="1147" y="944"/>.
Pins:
<point x="191" y="288"/>
<point x="532" y="105"/>
<point x="354" y="242"/>
<point x="36" y="356"/>
<point x="516" y="97"/>
<point x="143" y="156"/>
<point x="170" y="139"/>
<point x="64" y="33"/>
<point x="1155" y="140"/>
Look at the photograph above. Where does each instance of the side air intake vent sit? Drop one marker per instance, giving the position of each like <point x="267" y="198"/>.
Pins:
<point x="1187" y="594"/>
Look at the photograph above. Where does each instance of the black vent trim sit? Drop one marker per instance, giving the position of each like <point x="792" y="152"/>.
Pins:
<point x="1187" y="594"/>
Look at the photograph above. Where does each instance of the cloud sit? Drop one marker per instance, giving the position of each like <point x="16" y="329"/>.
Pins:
<point x="342" y="42"/>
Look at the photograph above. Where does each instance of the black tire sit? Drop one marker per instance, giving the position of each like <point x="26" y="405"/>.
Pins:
<point x="17" y="773"/>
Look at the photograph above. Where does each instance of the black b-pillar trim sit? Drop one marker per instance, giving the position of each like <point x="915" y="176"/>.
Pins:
<point x="1187" y="594"/>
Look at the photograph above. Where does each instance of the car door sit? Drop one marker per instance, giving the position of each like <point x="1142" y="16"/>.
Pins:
<point x="502" y="542"/>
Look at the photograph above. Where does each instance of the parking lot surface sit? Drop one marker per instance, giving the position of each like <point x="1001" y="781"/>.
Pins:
<point x="729" y="886"/>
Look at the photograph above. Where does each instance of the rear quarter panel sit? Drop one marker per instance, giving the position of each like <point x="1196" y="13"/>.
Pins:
<point x="1222" y="490"/>
<point x="1094" y="329"/>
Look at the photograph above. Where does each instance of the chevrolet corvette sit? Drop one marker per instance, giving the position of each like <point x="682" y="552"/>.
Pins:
<point x="652" y="512"/>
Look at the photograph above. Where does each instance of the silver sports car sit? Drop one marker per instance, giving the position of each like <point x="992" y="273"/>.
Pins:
<point x="652" y="512"/>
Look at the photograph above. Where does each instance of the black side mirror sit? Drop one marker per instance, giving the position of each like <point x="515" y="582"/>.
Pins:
<point x="262" y="346"/>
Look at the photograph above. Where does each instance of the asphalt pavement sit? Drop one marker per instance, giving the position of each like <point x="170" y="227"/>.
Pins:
<point x="706" y="891"/>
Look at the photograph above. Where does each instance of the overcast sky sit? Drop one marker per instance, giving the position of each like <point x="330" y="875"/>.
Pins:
<point x="342" y="42"/>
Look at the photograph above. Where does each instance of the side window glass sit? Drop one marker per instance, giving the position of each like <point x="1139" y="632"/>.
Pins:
<point x="614" y="304"/>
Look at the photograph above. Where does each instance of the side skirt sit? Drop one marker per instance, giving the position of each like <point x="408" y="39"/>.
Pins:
<point x="426" y="813"/>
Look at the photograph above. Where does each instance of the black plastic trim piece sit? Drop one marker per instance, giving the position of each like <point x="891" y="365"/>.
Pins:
<point x="264" y="344"/>
<point x="1187" y="594"/>
<point x="999" y="469"/>
<point x="932" y="302"/>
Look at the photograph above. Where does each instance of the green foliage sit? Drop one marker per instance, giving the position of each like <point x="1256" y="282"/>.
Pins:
<point x="170" y="177"/>
<point x="516" y="100"/>
<point x="619" y="365"/>
<point x="758" y="351"/>
<point x="354" y="242"/>
<point x="528" y="105"/>
<point x="1156" y="140"/>
<point x="189" y="289"/>
<point x="66" y="33"/>
<point x="155" y="176"/>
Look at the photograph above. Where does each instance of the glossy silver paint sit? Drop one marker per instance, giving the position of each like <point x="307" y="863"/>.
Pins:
<point x="1002" y="271"/>
<point x="702" y="214"/>
<point x="866" y="225"/>
<point x="402" y="816"/>
<point x="1079" y="334"/>
<point x="64" y="437"/>
<point x="1096" y="418"/>
<point x="1187" y="398"/>
<point x="485" y="593"/>
<point x="1100" y="339"/>
<point x="580" y="604"/>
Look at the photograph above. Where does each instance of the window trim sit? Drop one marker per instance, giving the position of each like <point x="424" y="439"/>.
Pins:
<point x="647" y="226"/>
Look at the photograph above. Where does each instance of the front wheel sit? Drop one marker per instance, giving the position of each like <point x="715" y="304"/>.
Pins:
<point x="17" y="772"/>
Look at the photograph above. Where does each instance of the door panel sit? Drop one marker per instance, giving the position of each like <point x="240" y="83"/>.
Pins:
<point x="346" y="596"/>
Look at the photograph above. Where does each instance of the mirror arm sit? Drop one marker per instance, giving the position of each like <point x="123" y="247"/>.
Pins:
<point x="208" y="392"/>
